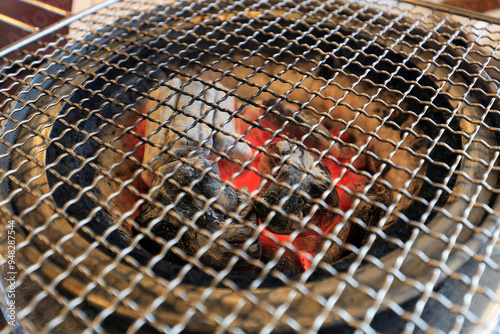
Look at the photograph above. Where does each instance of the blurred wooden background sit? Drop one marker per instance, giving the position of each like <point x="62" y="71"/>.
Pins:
<point x="481" y="6"/>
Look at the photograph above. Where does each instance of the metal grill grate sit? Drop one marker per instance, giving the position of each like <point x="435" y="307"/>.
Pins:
<point x="253" y="167"/>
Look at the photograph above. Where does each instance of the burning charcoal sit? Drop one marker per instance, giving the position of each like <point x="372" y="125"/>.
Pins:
<point x="295" y="165"/>
<point x="300" y="126"/>
<point x="289" y="263"/>
<point x="162" y="114"/>
<point x="368" y="212"/>
<point x="184" y="121"/>
<point x="186" y="187"/>
<point x="221" y="119"/>
<point x="183" y="128"/>
<point x="371" y="212"/>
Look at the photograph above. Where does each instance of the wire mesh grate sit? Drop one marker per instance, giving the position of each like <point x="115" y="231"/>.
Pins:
<point x="253" y="167"/>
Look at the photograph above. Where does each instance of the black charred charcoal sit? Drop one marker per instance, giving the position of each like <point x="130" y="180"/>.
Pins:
<point x="289" y="264"/>
<point x="179" y="186"/>
<point x="369" y="213"/>
<point x="337" y="251"/>
<point x="314" y="181"/>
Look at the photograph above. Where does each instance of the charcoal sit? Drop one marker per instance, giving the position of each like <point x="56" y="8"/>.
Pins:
<point x="371" y="212"/>
<point x="337" y="251"/>
<point x="289" y="264"/>
<point x="295" y="165"/>
<point x="186" y="186"/>
<point x="367" y="213"/>
<point x="299" y="126"/>
<point x="226" y="140"/>
<point x="187" y="108"/>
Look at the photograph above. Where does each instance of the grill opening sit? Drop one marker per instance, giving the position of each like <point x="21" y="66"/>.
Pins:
<point x="237" y="152"/>
<point x="87" y="111"/>
<point x="396" y="103"/>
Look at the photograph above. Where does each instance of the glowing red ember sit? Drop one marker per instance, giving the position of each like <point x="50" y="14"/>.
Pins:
<point x="294" y="251"/>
